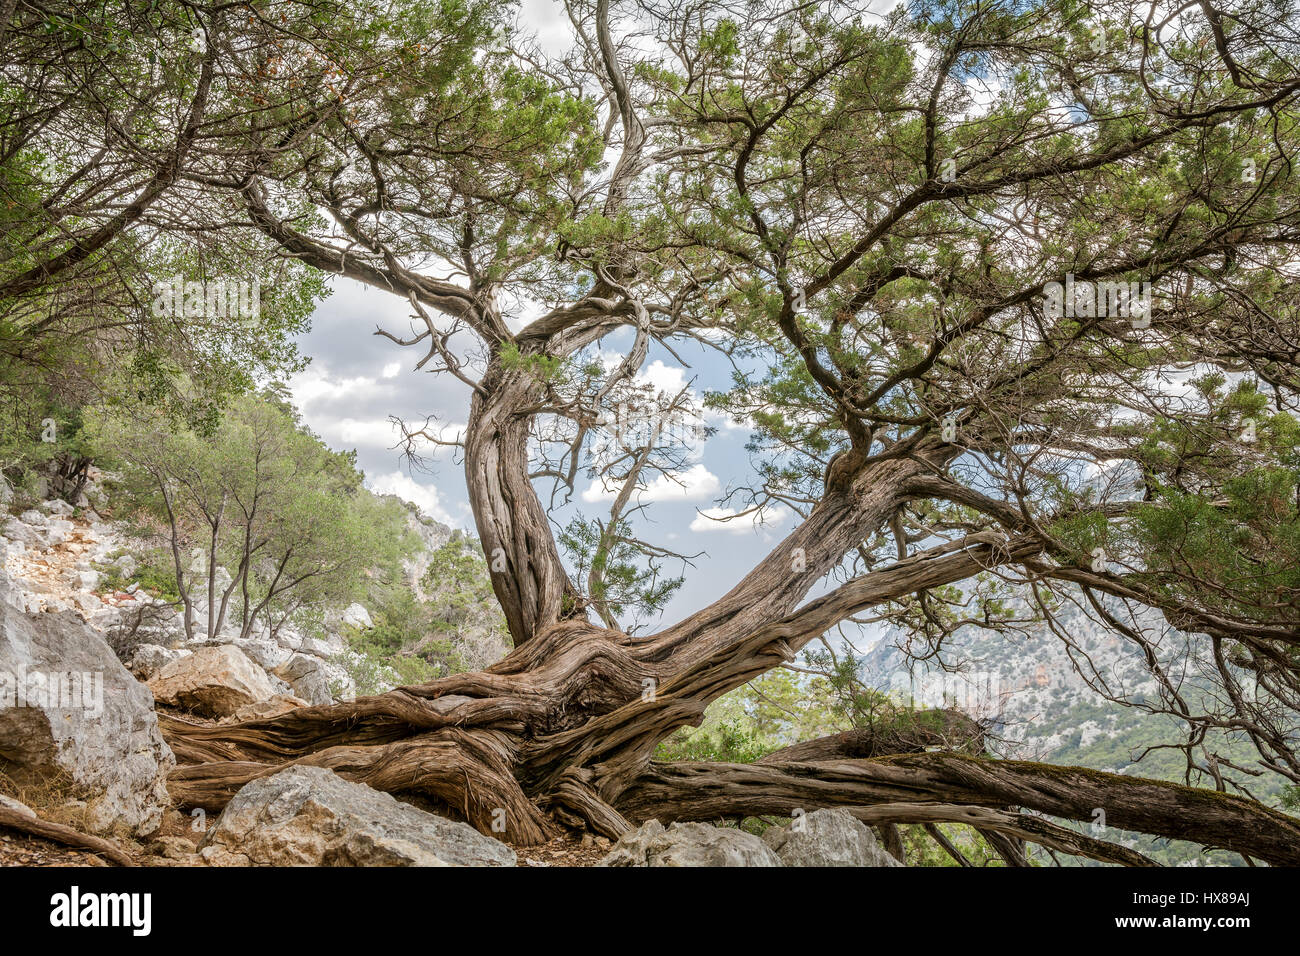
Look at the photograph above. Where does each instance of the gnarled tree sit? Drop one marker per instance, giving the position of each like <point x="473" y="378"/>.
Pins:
<point x="914" y="226"/>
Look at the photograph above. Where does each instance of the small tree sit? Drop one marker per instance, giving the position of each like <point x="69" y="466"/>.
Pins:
<point x="261" y="496"/>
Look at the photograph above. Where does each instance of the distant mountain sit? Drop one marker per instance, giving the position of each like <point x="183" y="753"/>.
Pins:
<point x="1031" y="690"/>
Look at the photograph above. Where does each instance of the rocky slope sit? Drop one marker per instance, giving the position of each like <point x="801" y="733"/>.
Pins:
<point x="1038" y="694"/>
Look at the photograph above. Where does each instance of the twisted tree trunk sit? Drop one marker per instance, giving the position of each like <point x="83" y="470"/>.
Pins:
<point x="527" y="574"/>
<point x="561" y="731"/>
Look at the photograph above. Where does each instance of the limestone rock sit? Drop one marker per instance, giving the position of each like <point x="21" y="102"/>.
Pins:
<point x="29" y="535"/>
<point x="316" y="648"/>
<point x="263" y="709"/>
<point x="357" y="616"/>
<point x="56" y="506"/>
<point x="689" y="844"/>
<point x="310" y="816"/>
<point x="81" y="717"/>
<point x="58" y="530"/>
<point x="313" y="679"/>
<point x="827" y="838"/>
<point x="148" y="659"/>
<point x="22" y="809"/>
<point x="263" y="651"/>
<point x="215" y="681"/>
<point x="178" y="851"/>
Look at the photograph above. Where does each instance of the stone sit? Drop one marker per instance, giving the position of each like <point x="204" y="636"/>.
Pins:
<point x="87" y="604"/>
<point x="335" y="644"/>
<point x="689" y="844"/>
<point x="222" y="578"/>
<point x="28" y="535"/>
<point x="56" y="506"/>
<point x="97" y="731"/>
<point x="214" y="681"/>
<point x="83" y="580"/>
<point x="357" y="616"/>
<point x="34" y="518"/>
<point x="827" y="838"/>
<point x="315" y="680"/>
<point x="265" y="652"/>
<point x="316" y="648"/>
<point x="310" y="816"/>
<point x="176" y="849"/>
<point x="22" y="809"/>
<point x="148" y="659"/>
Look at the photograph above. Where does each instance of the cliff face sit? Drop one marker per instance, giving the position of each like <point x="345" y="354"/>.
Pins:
<point x="433" y="536"/>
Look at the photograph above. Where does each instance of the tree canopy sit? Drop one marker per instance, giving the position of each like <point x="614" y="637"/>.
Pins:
<point x="1010" y="292"/>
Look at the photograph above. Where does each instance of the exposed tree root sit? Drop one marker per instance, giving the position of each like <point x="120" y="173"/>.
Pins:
<point x="65" y="835"/>
<point x="467" y="770"/>
<point x="1020" y="826"/>
<point x="703" y="791"/>
<point x="561" y="731"/>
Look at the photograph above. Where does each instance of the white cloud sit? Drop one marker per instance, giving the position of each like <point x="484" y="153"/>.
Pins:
<point x="381" y="434"/>
<point x="424" y="497"/>
<point x="546" y="19"/>
<point x="359" y="432"/>
<point x="732" y="522"/>
<point x="668" y="379"/>
<point x="696" y="483"/>
<point x="391" y="370"/>
<point x="313" y="385"/>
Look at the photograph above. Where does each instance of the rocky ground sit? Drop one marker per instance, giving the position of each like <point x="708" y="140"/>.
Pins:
<point x="826" y="838"/>
<point x="52" y="557"/>
<point x="81" y="748"/>
<point x="19" y="849"/>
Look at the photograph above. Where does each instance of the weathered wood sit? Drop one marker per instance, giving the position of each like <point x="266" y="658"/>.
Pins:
<point x="704" y="791"/>
<point x="65" y="835"/>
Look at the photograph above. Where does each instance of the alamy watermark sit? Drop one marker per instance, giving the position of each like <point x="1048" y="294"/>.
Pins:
<point x="74" y="909"/>
<point x="639" y="425"/>
<point x="975" y="692"/>
<point x="56" y="690"/>
<point x="1083" y="298"/>
<point x="214" y="299"/>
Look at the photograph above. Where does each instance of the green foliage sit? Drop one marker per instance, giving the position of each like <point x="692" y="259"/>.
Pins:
<point x="375" y="668"/>
<point x="1239" y="551"/>
<point x="154" y="573"/>
<point x="625" y="579"/>
<point x="447" y="628"/>
<point x="259" y="495"/>
<point x="545" y="368"/>
<point x="727" y="734"/>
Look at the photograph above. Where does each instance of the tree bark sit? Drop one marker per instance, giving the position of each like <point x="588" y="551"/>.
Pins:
<point x="527" y="574"/>
<point x="705" y="791"/>
<point x="561" y="731"/>
<point x="65" y="835"/>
